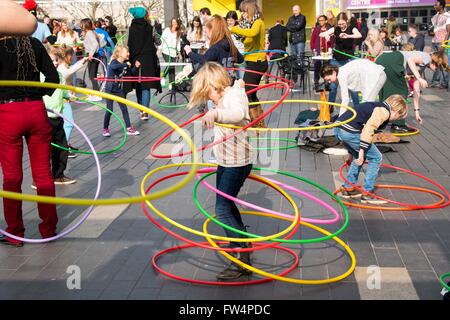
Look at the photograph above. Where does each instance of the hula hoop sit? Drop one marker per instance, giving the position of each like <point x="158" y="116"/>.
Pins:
<point x="287" y="147"/>
<point x="127" y="200"/>
<point x="445" y="44"/>
<point x="346" y="54"/>
<point x="221" y="238"/>
<point x="248" y="126"/>
<point x="278" y="183"/>
<point x="362" y="206"/>
<point x="293" y="280"/>
<point x="442" y="281"/>
<point x="328" y="126"/>
<point x="218" y="283"/>
<point x="88" y="210"/>
<point x="128" y="79"/>
<point x="122" y="124"/>
<point x="278" y="214"/>
<point x="408" y="134"/>
<point x="199" y="244"/>
<point x="157" y="143"/>
<point x="408" y="206"/>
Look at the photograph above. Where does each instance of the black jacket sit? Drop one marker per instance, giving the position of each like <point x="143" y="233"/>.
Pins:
<point x="142" y="48"/>
<point x="296" y="26"/>
<point x="220" y="53"/>
<point x="278" y="37"/>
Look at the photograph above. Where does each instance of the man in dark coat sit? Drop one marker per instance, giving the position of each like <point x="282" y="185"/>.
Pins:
<point x="142" y="49"/>
<point x="278" y="36"/>
<point x="296" y="26"/>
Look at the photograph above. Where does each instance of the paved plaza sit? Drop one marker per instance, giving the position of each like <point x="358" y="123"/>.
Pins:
<point x="114" y="247"/>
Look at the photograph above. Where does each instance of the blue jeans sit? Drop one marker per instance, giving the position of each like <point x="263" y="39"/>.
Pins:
<point x="298" y="49"/>
<point x="230" y="181"/>
<point x="123" y="108"/>
<point x="373" y="156"/>
<point x="440" y="76"/>
<point x="67" y="112"/>
<point x="143" y="96"/>
<point x="333" y="86"/>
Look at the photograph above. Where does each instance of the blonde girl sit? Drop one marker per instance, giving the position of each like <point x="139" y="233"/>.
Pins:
<point x="118" y="67"/>
<point x="234" y="156"/>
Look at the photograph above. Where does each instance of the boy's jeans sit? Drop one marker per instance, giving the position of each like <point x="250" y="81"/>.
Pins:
<point x="373" y="156"/>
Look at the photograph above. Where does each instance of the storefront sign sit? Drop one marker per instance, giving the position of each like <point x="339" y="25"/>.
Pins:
<point x="364" y="4"/>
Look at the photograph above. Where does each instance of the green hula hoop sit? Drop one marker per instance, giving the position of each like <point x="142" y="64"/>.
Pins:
<point x="299" y="241"/>
<point x="346" y="54"/>
<point x="122" y="124"/>
<point x="286" y="147"/>
<point x="442" y="281"/>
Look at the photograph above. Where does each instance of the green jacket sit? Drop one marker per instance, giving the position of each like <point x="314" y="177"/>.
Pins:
<point x="55" y="102"/>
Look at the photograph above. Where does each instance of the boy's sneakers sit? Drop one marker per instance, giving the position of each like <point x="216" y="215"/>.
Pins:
<point x="350" y="193"/>
<point x="132" y="131"/>
<point x="144" y="116"/>
<point x="65" y="180"/>
<point x="106" y="133"/>
<point x="366" y="198"/>
<point x="71" y="154"/>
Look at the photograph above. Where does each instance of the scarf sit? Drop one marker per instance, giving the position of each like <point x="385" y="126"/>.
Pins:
<point x="247" y="24"/>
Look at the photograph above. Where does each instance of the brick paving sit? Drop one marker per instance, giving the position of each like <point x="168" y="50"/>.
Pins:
<point x="114" y="247"/>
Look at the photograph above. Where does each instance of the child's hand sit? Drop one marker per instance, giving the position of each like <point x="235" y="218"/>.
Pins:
<point x="187" y="49"/>
<point x="360" y="160"/>
<point x="241" y="83"/>
<point x="137" y="64"/>
<point x="209" y="118"/>
<point x="129" y="63"/>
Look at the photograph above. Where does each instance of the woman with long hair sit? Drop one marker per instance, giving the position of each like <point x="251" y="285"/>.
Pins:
<point x="221" y="46"/>
<point x="91" y="47"/>
<point x="111" y="28"/>
<point x="67" y="36"/>
<point x="142" y="49"/>
<point x="252" y="27"/>
<point x="196" y="34"/>
<point x="171" y="44"/>
<point x="23" y="115"/>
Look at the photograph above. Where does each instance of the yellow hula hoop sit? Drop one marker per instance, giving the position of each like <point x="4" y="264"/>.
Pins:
<point x="87" y="202"/>
<point x="329" y="126"/>
<point x="287" y="279"/>
<point x="205" y="234"/>
<point x="445" y="44"/>
<point x="408" y="134"/>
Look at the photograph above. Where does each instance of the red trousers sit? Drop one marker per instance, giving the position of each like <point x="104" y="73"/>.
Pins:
<point x="29" y="120"/>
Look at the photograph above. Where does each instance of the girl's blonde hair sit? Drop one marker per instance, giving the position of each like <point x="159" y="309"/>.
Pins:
<point x="58" y="52"/>
<point x="117" y="50"/>
<point x="211" y="75"/>
<point x="398" y="104"/>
